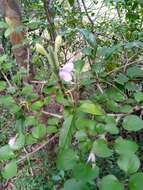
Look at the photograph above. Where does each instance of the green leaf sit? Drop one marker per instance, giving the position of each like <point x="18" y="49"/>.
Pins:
<point x="131" y="86"/>
<point x="132" y="123"/>
<point x="139" y="96"/>
<point x="3" y="25"/>
<point x="71" y="2"/>
<point x="30" y="121"/>
<point x="2" y="85"/>
<point x="90" y="107"/>
<point x="122" y="79"/>
<point x="110" y="182"/>
<point x="66" y="132"/>
<point x="39" y="131"/>
<point x="123" y="146"/>
<point x="18" y="142"/>
<point x="37" y="105"/>
<point x="129" y="163"/>
<point x="67" y="159"/>
<point x="112" y="106"/>
<point x="134" y="72"/>
<point x="111" y="128"/>
<point x="10" y="170"/>
<point x="85" y="173"/>
<point x="125" y="109"/>
<point x="29" y="139"/>
<point x="79" y="64"/>
<point x="72" y="184"/>
<point x="81" y="135"/>
<point x="52" y="129"/>
<point x="6" y="153"/>
<point x="136" y="181"/>
<point x="100" y="148"/>
<point x="27" y="90"/>
<point x="9" y="103"/>
<point x="8" y="31"/>
<point x="53" y="121"/>
<point x="89" y="36"/>
<point x="114" y="94"/>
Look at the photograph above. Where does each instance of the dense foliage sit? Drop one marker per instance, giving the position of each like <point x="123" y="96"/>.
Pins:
<point x="78" y="122"/>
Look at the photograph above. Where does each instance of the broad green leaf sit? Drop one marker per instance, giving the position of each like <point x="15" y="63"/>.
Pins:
<point x="81" y="135"/>
<point x="139" y="96"/>
<point x="90" y="107"/>
<point x="134" y="72"/>
<point x="136" y="181"/>
<point x="8" y="31"/>
<point x="101" y="149"/>
<point x="3" y="25"/>
<point x="71" y="2"/>
<point x="27" y="90"/>
<point x="10" y="170"/>
<point x="72" y="184"/>
<point x="66" y="132"/>
<point x="126" y="109"/>
<point x="2" y="85"/>
<point x="53" y="121"/>
<point x="6" y="153"/>
<point x="82" y="123"/>
<point x="122" y="79"/>
<point x="113" y="106"/>
<point x="37" y="105"/>
<point x="52" y="129"/>
<point x="110" y="182"/>
<point x="6" y="100"/>
<point x="29" y="139"/>
<point x="131" y="86"/>
<point x="132" y="123"/>
<point x="9" y="103"/>
<point x="129" y="163"/>
<point x="123" y="146"/>
<point x="39" y="131"/>
<point x="30" y="121"/>
<point x="67" y="159"/>
<point x="114" y="94"/>
<point x="17" y="142"/>
<point x="85" y="172"/>
<point x="79" y="64"/>
<point x="89" y="36"/>
<point x="87" y="51"/>
<point x="111" y="128"/>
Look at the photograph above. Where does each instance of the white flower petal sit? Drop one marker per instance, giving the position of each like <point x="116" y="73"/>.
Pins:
<point x="91" y="157"/>
<point x="12" y="142"/>
<point x="66" y="76"/>
<point x="68" y="67"/>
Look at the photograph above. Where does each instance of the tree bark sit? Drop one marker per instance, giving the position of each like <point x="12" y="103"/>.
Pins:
<point x="10" y="10"/>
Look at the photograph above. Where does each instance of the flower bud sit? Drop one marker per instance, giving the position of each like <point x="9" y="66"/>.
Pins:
<point x="9" y="22"/>
<point x="46" y="35"/>
<point x="12" y="142"/>
<point x="41" y="49"/>
<point x="58" y="42"/>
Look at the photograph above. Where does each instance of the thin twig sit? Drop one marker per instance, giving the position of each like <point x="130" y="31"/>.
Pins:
<point x="87" y="13"/>
<point x="36" y="150"/>
<point x="31" y="170"/>
<point x="5" y="77"/>
<point x="52" y="114"/>
<point x="119" y="68"/>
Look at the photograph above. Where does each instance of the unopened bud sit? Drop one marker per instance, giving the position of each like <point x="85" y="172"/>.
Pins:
<point x="9" y="22"/>
<point x="58" y="42"/>
<point x="46" y="34"/>
<point x="40" y="49"/>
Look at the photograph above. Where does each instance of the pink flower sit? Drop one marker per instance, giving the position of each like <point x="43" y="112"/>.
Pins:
<point x="66" y="72"/>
